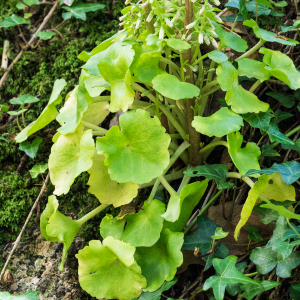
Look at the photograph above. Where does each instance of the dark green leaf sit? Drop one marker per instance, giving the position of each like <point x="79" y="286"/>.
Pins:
<point x="235" y="288"/>
<point x="261" y="9"/>
<point x="267" y="150"/>
<point x="260" y="120"/>
<point x="295" y="291"/>
<point x="276" y="135"/>
<point x="280" y="116"/>
<point x="287" y="100"/>
<point x="31" y="149"/>
<point x="252" y="290"/>
<point x="240" y="5"/>
<point x="254" y="234"/>
<point x="79" y="11"/>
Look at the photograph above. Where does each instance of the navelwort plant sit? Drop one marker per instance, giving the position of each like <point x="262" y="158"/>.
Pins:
<point x="158" y="56"/>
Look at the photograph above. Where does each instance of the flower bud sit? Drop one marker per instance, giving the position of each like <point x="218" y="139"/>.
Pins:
<point x="201" y="11"/>
<point x="218" y="19"/>
<point x="216" y="2"/>
<point x="138" y="22"/>
<point x="150" y="17"/>
<point x="122" y="17"/>
<point x="214" y="42"/>
<point x="200" y="38"/>
<point x="213" y="33"/>
<point x="145" y="3"/>
<point x="206" y="40"/>
<point x="170" y="10"/>
<point x="191" y="25"/>
<point x="161" y="33"/>
<point x="127" y="2"/>
<point x="176" y="17"/>
<point x="168" y="22"/>
<point x="189" y="36"/>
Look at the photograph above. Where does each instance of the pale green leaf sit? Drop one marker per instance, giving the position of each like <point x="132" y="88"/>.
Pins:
<point x="96" y="113"/>
<point x="245" y="158"/>
<point x="240" y="100"/>
<point x="70" y="115"/>
<point x="16" y="112"/>
<point x="178" y="44"/>
<point x="217" y="56"/>
<point x="202" y="239"/>
<point x="143" y="228"/>
<point x="190" y="196"/>
<point x="71" y="155"/>
<point x="109" y="271"/>
<point x="21" y="5"/>
<point x="38" y="169"/>
<point x="31" y="149"/>
<point x="171" y="87"/>
<point x="25" y="99"/>
<point x="167" y="252"/>
<point x="46" y="35"/>
<point x="95" y="85"/>
<point x="253" y="194"/>
<point x="30" y="295"/>
<point x="139" y="151"/>
<point x="253" y="68"/>
<point x="222" y="122"/>
<point x="118" y="58"/>
<point x="48" y="114"/>
<point x="214" y="171"/>
<point x="107" y="190"/>
<point x="219" y="234"/>
<point x="281" y="67"/>
<point x="56" y="227"/>
<point x="67" y="2"/>
<point x="226" y="273"/>
<point x="79" y="11"/>
<point x="13" y="20"/>
<point x="111" y="226"/>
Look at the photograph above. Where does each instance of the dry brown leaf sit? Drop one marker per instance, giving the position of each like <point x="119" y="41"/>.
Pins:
<point x="215" y="214"/>
<point x="189" y="259"/>
<point x="127" y="209"/>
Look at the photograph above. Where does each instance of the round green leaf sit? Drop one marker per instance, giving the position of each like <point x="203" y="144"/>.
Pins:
<point x="178" y="44"/>
<point x="222" y="122"/>
<point x="219" y="234"/>
<point x="170" y="86"/>
<point x="106" y="190"/>
<point x="108" y="270"/>
<point x="139" y="151"/>
<point x="24" y="100"/>
<point x="111" y="226"/>
<point x="71" y="155"/>
<point x="160" y="262"/>
<point x="217" y="56"/>
<point x="38" y="169"/>
<point x="143" y="228"/>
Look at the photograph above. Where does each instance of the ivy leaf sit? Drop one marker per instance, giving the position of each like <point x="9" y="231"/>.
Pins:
<point x="67" y="2"/>
<point x="111" y="226"/>
<point x="252" y="290"/>
<point x="46" y="35"/>
<point x="21" y="5"/>
<point x="295" y="147"/>
<point x="56" y="227"/>
<point x="264" y="2"/>
<point x="222" y="122"/>
<point x="31" y="149"/>
<point x="240" y="5"/>
<point x="118" y="58"/>
<point x="261" y="9"/>
<point x="287" y="100"/>
<point x="213" y="172"/>
<point x="157" y="294"/>
<point x="178" y="44"/>
<point x="253" y="68"/>
<point x="71" y="155"/>
<point x="17" y="112"/>
<point x="219" y="234"/>
<point x="280" y="209"/>
<point x="96" y="112"/>
<point x="48" y="114"/>
<point x="139" y="151"/>
<point x="171" y="87"/>
<point x="38" y="169"/>
<point x="30" y="295"/>
<point x="291" y="234"/>
<point x="276" y="135"/>
<point x="106" y="190"/>
<point x="295" y="291"/>
<point x="202" y="239"/>
<point x="109" y="271"/>
<point x="235" y="288"/>
<point x="147" y="66"/>
<point x="280" y="116"/>
<point x="179" y="211"/>
<point x="79" y="11"/>
<point x="228" y="39"/>
<point x="167" y="252"/>
<point x="260" y="120"/>
<point x="281" y="67"/>
<point x="143" y="228"/>
<point x="244" y="158"/>
<point x="253" y="194"/>
<point x="254" y="234"/>
<point x="241" y="100"/>
<point x="226" y="273"/>
<point x="218" y="56"/>
<point x="25" y="99"/>
<point x="266" y="35"/>
<point x="289" y="171"/>
<point x="13" y="20"/>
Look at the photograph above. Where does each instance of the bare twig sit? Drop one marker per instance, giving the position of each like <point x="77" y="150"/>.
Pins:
<point x="16" y="243"/>
<point x="6" y="74"/>
<point x="4" y="64"/>
<point x="22" y="163"/>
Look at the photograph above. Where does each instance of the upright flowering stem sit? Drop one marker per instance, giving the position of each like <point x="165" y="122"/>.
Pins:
<point x="147" y="9"/>
<point x="194" y="136"/>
